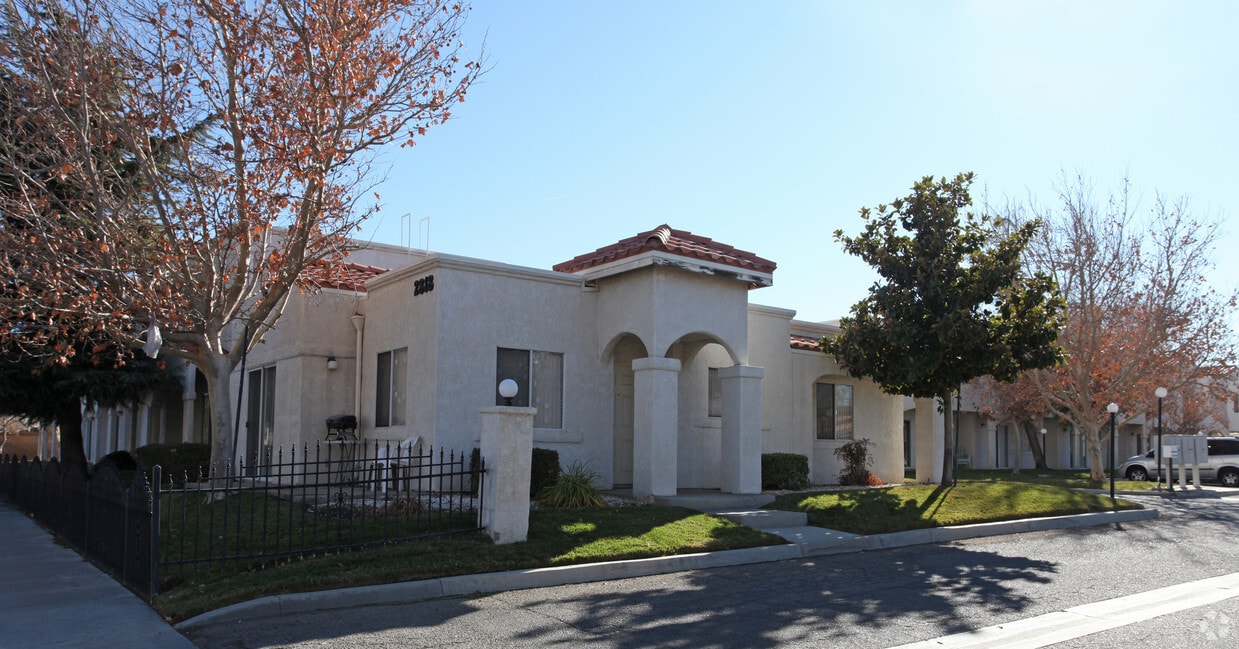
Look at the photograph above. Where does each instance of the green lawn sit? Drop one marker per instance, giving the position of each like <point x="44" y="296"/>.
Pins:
<point x="557" y="537"/>
<point x="907" y="507"/>
<point x="1070" y="478"/>
<point x="560" y="537"/>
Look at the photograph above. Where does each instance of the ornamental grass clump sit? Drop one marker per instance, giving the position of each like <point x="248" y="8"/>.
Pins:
<point x="575" y="488"/>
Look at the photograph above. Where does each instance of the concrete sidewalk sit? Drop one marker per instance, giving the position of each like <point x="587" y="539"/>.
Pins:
<point x="51" y="597"/>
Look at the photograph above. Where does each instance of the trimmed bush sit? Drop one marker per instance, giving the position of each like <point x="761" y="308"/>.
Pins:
<point x="575" y="489"/>
<point x="544" y="470"/>
<point x="856" y="461"/>
<point x="784" y="471"/>
<point x="176" y="460"/>
<point x="122" y="461"/>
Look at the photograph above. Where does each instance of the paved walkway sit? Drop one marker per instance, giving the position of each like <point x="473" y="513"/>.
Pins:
<point x="51" y="597"/>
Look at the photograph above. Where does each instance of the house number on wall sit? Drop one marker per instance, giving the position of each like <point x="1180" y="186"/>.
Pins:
<point x="424" y="285"/>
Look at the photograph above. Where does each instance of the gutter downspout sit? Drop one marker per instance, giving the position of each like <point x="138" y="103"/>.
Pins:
<point x="359" y="323"/>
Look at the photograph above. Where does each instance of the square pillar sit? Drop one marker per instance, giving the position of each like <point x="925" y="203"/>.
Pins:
<point x="507" y="448"/>
<point x="928" y="428"/>
<point x="655" y="427"/>
<point x="741" y="438"/>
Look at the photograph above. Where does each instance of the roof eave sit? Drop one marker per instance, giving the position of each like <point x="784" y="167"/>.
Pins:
<point x="664" y="259"/>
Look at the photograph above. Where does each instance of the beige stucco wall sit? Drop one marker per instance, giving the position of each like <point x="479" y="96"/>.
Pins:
<point x="313" y="328"/>
<point x="453" y="331"/>
<point x="663" y="306"/>
<point x="788" y="406"/>
<point x="453" y="334"/>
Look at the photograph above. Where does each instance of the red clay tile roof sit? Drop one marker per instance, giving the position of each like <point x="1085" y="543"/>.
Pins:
<point x="676" y="242"/>
<point x="807" y="343"/>
<point x="344" y="276"/>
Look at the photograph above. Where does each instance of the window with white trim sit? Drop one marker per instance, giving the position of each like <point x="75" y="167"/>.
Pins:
<point x="390" y="388"/>
<point x="833" y="402"/>
<point x="539" y="380"/>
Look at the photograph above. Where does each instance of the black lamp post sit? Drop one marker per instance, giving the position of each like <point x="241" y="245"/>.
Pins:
<point x="1161" y="461"/>
<point x="958" y="406"/>
<point x="1113" y="408"/>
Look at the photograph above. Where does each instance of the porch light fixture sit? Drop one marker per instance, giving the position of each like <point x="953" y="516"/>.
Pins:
<point x="507" y="390"/>
<point x="1113" y="409"/>
<point x="1161" y="394"/>
<point x="332" y="363"/>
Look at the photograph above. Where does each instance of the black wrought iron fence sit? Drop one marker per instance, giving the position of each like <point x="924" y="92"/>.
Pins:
<point x="108" y="518"/>
<point x="328" y="497"/>
<point x="323" y="498"/>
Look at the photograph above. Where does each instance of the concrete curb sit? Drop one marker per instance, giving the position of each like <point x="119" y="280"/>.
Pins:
<point x="590" y="572"/>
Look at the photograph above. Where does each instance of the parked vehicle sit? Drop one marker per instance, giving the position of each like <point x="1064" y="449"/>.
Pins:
<point x="1223" y="464"/>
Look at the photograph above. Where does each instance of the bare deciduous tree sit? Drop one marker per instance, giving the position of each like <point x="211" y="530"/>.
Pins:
<point x="180" y="163"/>
<point x="1140" y="312"/>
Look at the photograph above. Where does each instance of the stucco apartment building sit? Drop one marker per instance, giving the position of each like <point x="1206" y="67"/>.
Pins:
<point x="645" y="359"/>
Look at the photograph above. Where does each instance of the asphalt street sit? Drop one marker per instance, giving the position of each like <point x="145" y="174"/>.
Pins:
<point x="868" y="599"/>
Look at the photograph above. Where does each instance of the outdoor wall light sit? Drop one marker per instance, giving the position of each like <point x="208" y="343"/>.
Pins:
<point x="332" y="363"/>
<point x="507" y="390"/>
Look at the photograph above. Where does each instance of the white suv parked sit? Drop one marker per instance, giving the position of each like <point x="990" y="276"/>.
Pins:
<point x="1223" y="464"/>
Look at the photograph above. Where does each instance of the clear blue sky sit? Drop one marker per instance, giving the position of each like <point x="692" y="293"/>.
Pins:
<point x="768" y="125"/>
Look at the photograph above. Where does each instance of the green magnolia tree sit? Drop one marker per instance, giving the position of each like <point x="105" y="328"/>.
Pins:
<point x="953" y="302"/>
<point x="41" y="391"/>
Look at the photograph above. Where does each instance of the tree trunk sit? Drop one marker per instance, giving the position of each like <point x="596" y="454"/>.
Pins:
<point x="72" y="447"/>
<point x="223" y="454"/>
<point x="1034" y="443"/>
<point x="1096" y="461"/>
<point x="948" y="445"/>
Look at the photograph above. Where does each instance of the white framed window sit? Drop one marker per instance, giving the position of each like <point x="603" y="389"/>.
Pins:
<point x="833" y="402"/>
<point x="714" y="394"/>
<point x="390" y="387"/>
<point x="539" y="380"/>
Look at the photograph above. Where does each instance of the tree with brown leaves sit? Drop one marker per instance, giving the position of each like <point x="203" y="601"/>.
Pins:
<point x="175" y="165"/>
<point x="1140" y="313"/>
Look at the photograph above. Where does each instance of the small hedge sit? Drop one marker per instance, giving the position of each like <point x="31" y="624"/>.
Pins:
<point x="784" y="471"/>
<point x="544" y="469"/>
<point x="122" y="461"/>
<point x="176" y="460"/>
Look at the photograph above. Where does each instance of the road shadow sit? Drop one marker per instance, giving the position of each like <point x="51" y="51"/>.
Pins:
<point x="830" y="599"/>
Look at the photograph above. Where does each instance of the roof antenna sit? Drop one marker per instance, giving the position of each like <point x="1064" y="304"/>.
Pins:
<point x="406" y="233"/>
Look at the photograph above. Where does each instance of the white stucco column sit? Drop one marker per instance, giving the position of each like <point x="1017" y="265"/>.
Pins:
<point x="143" y="423"/>
<point x="119" y="418"/>
<point x="507" y="448"/>
<point x="927" y="428"/>
<point x="188" y="396"/>
<point x="741" y="438"/>
<point x="984" y="458"/>
<point x="655" y="427"/>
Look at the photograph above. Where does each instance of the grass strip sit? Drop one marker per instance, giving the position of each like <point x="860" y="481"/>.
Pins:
<point x="909" y="507"/>
<point x="557" y="537"/>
